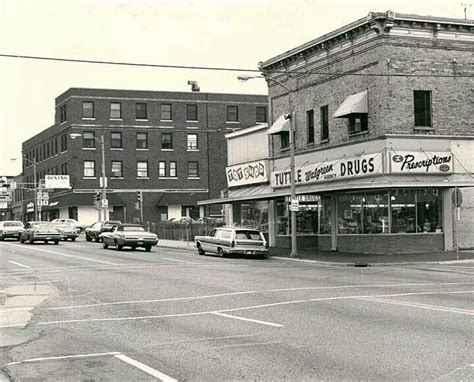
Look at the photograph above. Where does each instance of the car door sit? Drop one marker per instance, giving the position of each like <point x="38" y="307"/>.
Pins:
<point x="207" y="242"/>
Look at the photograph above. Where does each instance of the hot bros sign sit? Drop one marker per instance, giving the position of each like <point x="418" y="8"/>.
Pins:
<point x="344" y="168"/>
<point x="421" y="162"/>
<point x="247" y="173"/>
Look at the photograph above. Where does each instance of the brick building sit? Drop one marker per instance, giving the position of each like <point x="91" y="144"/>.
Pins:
<point x="382" y="112"/>
<point x="169" y="145"/>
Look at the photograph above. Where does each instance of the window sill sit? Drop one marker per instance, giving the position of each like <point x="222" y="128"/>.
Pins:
<point x="167" y="177"/>
<point x="192" y="177"/>
<point x="89" y="148"/>
<point x="359" y="133"/>
<point x="143" y="177"/>
<point x="233" y="122"/>
<point x="88" y="119"/>
<point x="116" y="177"/>
<point x="63" y="122"/>
<point x="193" y="150"/>
<point x="89" y="177"/>
<point x="116" y="148"/>
<point x="166" y="120"/>
<point x="192" y="120"/>
<point x="115" y="119"/>
<point x="192" y="127"/>
<point x="141" y="119"/>
<point x="323" y="141"/>
<point x="423" y="128"/>
<point x="142" y="149"/>
<point x="167" y="149"/>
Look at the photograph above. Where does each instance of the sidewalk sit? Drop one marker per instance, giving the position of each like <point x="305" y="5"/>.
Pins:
<point x="339" y="258"/>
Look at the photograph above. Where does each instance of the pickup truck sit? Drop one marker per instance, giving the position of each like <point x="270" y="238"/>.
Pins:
<point x="233" y="241"/>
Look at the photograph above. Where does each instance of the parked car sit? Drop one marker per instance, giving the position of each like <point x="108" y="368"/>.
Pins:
<point x="81" y="227"/>
<point x="40" y="231"/>
<point x="231" y="240"/>
<point x="11" y="229"/>
<point x="92" y="233"/>
<point x="129" y="235"/>
<point x="67" y="231"/>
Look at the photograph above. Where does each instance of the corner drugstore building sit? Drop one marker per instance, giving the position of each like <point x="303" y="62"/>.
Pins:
<point x="384" y="134"/>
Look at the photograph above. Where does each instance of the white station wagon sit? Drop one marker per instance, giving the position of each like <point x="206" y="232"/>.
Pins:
<point x="228" y="241"/>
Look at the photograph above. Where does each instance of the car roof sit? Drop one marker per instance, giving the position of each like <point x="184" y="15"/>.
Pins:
<point x="129" y="225"/>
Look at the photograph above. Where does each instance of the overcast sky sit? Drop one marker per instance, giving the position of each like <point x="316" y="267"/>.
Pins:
<point x="216" y="33"/>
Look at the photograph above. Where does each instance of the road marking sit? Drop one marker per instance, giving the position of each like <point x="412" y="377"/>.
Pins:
<point x="63" y="357"/>
<point x="247" y="319"/>
<point x="243" y="308"/>
<point x="64" y="255"/>
<point x="421" y="306"/>
<point x="179" y="261"/>
<point x="148" y="301"/>
<point x="21" y="265"/>
<point x="147" y="369"/>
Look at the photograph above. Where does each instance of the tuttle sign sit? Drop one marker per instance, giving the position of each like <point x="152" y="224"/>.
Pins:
<point x="56" y="181"/>
<point x="421" y="162"/>
<point x="247" y="173"/>
<point x="363" y="165"/>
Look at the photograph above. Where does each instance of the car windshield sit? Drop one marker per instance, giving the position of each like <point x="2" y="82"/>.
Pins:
<point x="248" y="235"/>
<point x="42" y="225"/>
<point x="13" y="224"/>
<point x="132" y="229"/>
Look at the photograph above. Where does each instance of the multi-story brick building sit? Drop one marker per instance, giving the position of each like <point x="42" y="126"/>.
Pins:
<point x="169" y="145"/>
<point x="384" y="133"/>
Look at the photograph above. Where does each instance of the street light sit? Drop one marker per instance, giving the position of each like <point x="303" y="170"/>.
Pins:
<point x="33" y="162"/>
<point x="290" y="116"/>
<point x="104" y="187"/>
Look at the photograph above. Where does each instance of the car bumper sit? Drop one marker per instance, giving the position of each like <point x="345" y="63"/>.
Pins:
<point x="47" y="237"/>
<point x="69" y="235"/>
<point x="140" y="243"/>
<point x="12" y="235"/>
<point x="248" y="251"/>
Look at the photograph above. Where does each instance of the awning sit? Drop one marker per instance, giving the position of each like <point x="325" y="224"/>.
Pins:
<point x="280" y="125"/>
<point x="355" y="103"/>
<point x="181" y="198"/>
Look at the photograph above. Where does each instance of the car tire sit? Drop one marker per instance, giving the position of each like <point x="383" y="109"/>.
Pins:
<point x="118" y="246"/>
<point x="105" y="246"/>
<point x="73" y="239"/>
<point x="148" y="248"/>
<point x="22" y="241"/>
<point x="31" y="241"/>
<point x="56" y="242"/>
<point x="88" y="237"/>
<point x="201" y="251"/>
<point x="220" y="252"/>
<point x="97" y="239"/>
<point x="1" y="238"/>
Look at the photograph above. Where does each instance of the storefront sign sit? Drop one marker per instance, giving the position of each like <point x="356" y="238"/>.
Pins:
<point x="56" y="181"/>
<point x="30" y="207"/>
<point x="331" y="170"/>
<point x="421" y="162"/>
<point x="247" y="173"/>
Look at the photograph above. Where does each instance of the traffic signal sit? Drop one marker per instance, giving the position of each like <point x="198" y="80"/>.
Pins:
<point x="139" y="196"/>
<point x="97" y="197"/>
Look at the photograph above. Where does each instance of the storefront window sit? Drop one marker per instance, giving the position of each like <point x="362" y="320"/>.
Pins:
<point x="428" y="210"/>
<point x="403" y="203"/>
<point x="363" y="212"/>
<point x="255" y="215"/>
<point x="306" y="217"/>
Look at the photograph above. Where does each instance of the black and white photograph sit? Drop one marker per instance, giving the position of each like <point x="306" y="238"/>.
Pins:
<point x="236" y="190"/>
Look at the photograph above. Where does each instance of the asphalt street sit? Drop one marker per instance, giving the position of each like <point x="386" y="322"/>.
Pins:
<point x="76" y="311"/>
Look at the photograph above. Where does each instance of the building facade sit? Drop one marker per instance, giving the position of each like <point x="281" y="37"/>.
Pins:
<point x="384" y="139"/>
<point x="168" y="146"/>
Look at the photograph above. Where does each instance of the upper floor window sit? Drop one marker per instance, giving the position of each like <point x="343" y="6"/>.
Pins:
<point x="192" y="143"/>
<point x="172" y="172"/>
<point x="141" y="110"/>
<point x="89" y="168"/>
<point x="55" y="146"/>
<point x="116" y="140"/>
<point x="285" y="141"/>
<point x="88" y="139"/>
<point x="63" y="144"/>
<point x="162" y="168"/>
<point x="166" y="112"/>
<point x="191" y="112"/>
<point x="142" y="169"/>
<point x="261" y="114"/>
<point x="115" y="110"/>
<point x="232" y="114"/>
<point x="64" y="168"/>
<point x="63" y="114"/>
<point x="142" y="140"/>
<point x="117" y="169"/>
<point x="310" y="125"/>
<point x="358" y="123"/>
<point x="422" y="103"/>
<point x="87" y="109"/>
<point x="324" y="115"/>
<point x="193" y="169"/>
<point x="166" y="141"/>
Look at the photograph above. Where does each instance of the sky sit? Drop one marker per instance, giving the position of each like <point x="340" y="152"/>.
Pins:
<point x="205" y="33"/>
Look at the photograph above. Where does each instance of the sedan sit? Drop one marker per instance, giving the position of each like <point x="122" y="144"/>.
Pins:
<point x="40" y="231"/>
<point x="67" y="231"/>
<point x="93" y="233"/>
<point x="11" y="229"/>
<point x="129" y="235"/>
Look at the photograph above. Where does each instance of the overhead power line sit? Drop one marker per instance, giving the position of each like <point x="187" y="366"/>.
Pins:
<point x="222" y="69"/>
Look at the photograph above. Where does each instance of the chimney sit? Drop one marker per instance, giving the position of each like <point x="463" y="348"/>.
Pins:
<point x="194" y="86"/>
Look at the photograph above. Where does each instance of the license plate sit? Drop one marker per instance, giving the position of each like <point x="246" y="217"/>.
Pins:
<point x="250" y="252"/>
<point x="49" y="238"/>
<point x="139" y="242"/>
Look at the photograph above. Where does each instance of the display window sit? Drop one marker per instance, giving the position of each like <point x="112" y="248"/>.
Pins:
<point x="255" y="215"/>
<point x="325" y="213"/>
<point x="307" y="218"/>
